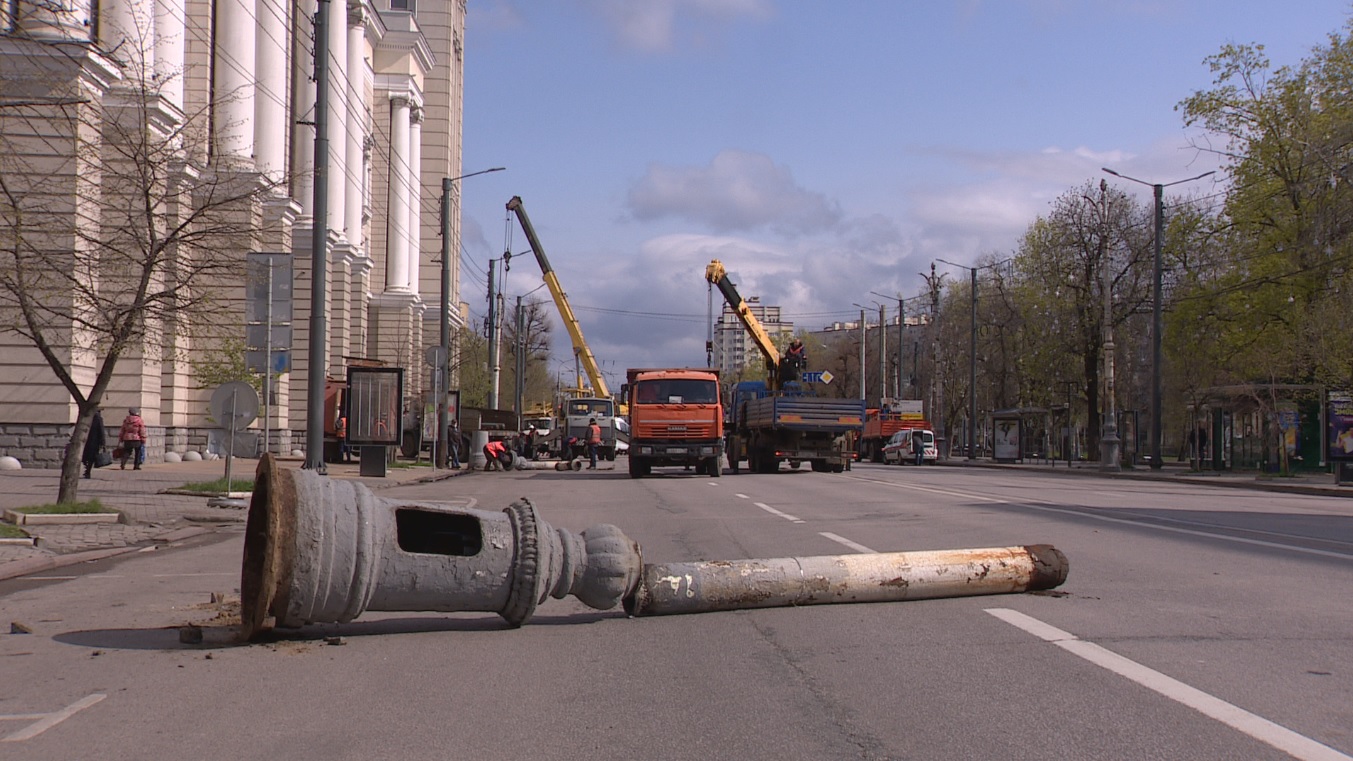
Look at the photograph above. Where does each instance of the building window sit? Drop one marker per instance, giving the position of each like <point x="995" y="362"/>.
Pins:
<point x="401" y="5"/>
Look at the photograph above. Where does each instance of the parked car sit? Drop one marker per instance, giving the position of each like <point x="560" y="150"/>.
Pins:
<point x="901" y="448"/>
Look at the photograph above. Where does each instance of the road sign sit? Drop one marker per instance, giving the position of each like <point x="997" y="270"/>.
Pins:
<point x="817" y="376"/>
<point x="280" y="363"/>
<point x="234" y="405"/>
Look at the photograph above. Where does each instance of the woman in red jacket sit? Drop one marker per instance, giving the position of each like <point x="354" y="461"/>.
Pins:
<point x="132" y="438"/>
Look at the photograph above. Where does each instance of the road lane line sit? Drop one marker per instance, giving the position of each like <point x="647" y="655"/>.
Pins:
<point x="52" y="719"/>
<point x="842" y="540"/>
<point x="742" y="496"/>
<point x="1261" y="729"/>
<point x="1087" y="512"/>
<point x="773" y="511"/>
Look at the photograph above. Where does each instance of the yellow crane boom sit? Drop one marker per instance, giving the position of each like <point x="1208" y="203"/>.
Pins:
<point x="575" y="332"/>
<point x="716" y="274"/>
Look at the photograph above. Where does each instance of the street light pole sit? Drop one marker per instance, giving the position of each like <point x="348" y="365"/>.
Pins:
<point x="443" y="369"/>
<point x="1157" y="320"/>
<point x="972" y="358"/>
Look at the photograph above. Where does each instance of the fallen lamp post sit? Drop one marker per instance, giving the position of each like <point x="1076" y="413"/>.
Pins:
<point x="320" y="550"/>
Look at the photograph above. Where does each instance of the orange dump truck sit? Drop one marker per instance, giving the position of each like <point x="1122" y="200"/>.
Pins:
<point x="676" y="418"/>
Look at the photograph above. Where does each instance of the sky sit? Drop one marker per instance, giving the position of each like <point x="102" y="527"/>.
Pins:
<point x="826" y="152"/>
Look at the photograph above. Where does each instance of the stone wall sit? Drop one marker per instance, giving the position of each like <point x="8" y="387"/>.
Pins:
<point x="42" y="446"/>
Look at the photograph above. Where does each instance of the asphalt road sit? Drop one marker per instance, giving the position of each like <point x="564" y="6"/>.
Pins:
<point x="1196" y="623"/>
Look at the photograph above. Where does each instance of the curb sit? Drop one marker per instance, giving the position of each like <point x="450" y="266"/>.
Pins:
<point x="16" y="568"/>
<point x="20" y="518"/>
<point x="1197" y="480"/>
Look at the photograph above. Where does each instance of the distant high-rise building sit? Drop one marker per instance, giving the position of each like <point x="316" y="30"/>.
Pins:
<point x="734" y="348"/>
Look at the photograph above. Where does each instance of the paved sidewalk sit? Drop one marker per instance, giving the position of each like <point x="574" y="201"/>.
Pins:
<point x="1320" y="484"/>
<point x="150" y="514"/>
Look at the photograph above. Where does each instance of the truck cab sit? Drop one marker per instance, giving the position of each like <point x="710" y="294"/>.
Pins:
<point x="578" y="414"/>
<point x="676" y="418"/>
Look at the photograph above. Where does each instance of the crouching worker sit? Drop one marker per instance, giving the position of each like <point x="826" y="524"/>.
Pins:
<point x="496" y="456"/>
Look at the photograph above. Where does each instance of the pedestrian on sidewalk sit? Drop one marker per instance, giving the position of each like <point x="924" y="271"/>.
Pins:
<point x="132" y="438"/>
<point x="453" y="445"/>
<point x="94" y="443"/>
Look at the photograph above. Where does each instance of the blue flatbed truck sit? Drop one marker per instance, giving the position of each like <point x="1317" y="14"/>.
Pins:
<point x="769" y="427"/>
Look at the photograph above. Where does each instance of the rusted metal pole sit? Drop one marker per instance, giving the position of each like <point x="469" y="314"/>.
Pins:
<point x="886" y="577"/>
<point x="320" y="550"/>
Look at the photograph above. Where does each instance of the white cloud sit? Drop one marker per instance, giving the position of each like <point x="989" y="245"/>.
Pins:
<point x="737" y="191"/>
<point x="658" y="26"/>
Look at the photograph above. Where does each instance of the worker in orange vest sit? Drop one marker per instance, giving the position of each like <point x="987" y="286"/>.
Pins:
<point x="496" y="456"/>
<point x="341" y="431"/>
<point x="593" y="441"/>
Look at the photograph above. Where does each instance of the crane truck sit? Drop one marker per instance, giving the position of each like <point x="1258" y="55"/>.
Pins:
<point x="776" y="421"/>
<point x="584" y="407"/>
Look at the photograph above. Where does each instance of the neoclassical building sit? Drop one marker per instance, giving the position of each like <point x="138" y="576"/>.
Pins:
<point x="247" y="68"/>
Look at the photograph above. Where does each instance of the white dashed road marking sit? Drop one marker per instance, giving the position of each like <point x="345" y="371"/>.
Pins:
<point x="842" y="540"/>
<point x="1261" y="729"/>
<point x="773" y="511"/>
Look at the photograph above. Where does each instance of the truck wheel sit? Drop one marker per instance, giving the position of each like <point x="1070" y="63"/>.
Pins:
<point x="712" y="467"/>
<point x="610" y="455"/>
<point x="838" y="468"/>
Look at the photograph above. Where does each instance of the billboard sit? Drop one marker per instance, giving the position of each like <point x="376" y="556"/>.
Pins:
<point x="1340" y="417"/>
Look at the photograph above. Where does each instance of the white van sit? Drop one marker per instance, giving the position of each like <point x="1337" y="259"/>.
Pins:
<point x="901" y="448"/>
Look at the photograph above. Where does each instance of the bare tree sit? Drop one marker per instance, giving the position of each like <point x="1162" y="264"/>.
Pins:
<point x="113" y="240"/>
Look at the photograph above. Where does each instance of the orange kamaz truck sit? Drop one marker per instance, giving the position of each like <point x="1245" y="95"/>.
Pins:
<point x="676" y="418"/>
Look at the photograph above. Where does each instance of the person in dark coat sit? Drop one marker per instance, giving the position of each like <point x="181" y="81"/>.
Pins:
<point x="97" y="439"/>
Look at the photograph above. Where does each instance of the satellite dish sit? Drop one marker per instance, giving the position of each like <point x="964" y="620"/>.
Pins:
<point x="234" y="405"/>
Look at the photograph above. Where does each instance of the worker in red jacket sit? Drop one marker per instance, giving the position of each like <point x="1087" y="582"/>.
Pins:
<point x="496" y="456"/>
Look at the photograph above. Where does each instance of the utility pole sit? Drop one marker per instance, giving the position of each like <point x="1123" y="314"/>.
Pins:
<point x="936" y="387"/>
<point x="319" y="248"/>
<point x="883" y="355"/>
<point x="864" y="390"/>
<point x="520" y="366"/>
<point x="1108" y="442"/>
<point x="443" y="369"/>
<point x="494" y="369"/>
<point x="901" y="334"/>
<point x="972" y="371"/>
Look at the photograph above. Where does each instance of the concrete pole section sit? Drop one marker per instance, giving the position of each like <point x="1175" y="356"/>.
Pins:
<point x="886" y="577"/>
<point x="321" y="550"/>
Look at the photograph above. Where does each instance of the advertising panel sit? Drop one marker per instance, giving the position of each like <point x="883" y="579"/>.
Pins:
<point x="1005" y="445"/>
<point x="1340" y="417"/>
<point x="374" y="396"/>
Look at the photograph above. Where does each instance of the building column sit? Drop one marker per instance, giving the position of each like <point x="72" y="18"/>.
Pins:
<point x="233" y="65"/>
<point x="270" y="124"/>
<point x="353" y="153"/>
<point x="169" y="50"/>
<point x="415" y="196"/>
<point x="51" y="21"/>
<point x="397" y="221"/>
<point x="127" y="32"/>
<point x="338" y="116"/>
<point x="303" y="103"/>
